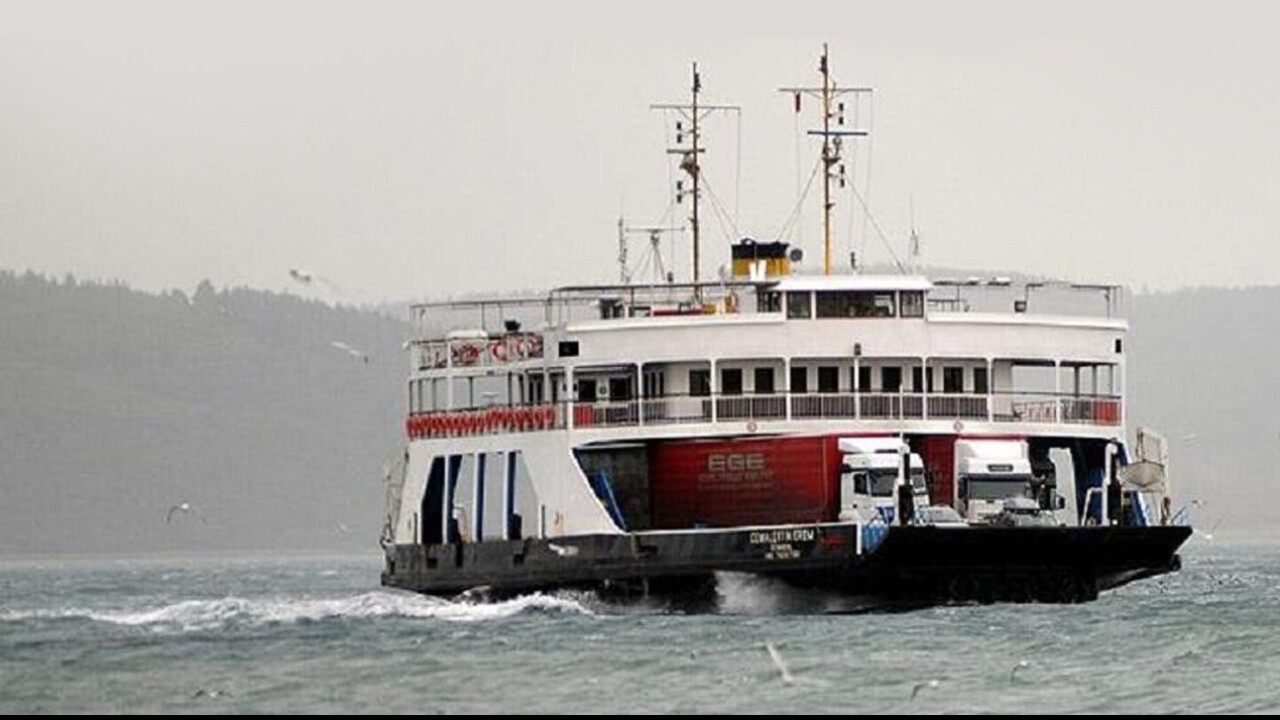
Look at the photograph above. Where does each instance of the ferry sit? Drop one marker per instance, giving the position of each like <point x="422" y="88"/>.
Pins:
<point x="891" y="437"/>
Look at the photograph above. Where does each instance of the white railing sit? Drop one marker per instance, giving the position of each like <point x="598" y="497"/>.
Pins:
<point x="1046" y="408"/>
<point x="752" y="407"/>
<point x="676" y="409"/>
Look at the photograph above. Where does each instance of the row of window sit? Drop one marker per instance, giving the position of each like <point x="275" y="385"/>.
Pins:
<point x="891" y="380"/>
<point x="804" y="305"/>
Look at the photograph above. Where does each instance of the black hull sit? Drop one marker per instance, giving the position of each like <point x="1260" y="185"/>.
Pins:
<point x="911" y="566"/>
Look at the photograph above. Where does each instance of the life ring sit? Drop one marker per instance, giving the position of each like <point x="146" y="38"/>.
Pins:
<point x="498" y="349"/>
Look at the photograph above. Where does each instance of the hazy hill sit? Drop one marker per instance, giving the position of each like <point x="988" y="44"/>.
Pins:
<point x="117" y="404"/>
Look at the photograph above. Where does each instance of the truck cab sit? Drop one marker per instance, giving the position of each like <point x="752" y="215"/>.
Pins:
<point x="989" y="472"/>
<point x="869" y="471"/>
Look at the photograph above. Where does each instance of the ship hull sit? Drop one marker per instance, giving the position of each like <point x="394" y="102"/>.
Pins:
<point x="914" y="565"/>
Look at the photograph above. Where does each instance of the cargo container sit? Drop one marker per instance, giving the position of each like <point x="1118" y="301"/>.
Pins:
<point x="747" y="481"/>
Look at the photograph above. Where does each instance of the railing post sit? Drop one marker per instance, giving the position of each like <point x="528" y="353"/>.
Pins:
<point x="857" y="391"/>
<point x="786" y="380"/>
<point x="715" y="398"/>
<point x="924" y="391"/>
<point x="639" y="394"/>
<point x="1057" y="391"/>
<point x="991" y="384"/>
<point x="569" y="406"/>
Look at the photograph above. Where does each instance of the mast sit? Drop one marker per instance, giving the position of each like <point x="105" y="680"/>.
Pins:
<point x="832" y="168"/>
<point x="690" y="161"/>
<point x="690" y="165"/>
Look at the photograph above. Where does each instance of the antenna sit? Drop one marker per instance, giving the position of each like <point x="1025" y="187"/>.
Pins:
<point x="913" y="242"/>
<point x="652" y="258"/>
<point x="833" y="168"/>
<point x="690" y="162"/>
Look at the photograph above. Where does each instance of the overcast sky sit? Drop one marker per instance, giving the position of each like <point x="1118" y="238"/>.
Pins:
<point x="411" y="150"/>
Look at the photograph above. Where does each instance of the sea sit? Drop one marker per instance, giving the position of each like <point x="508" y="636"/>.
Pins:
<point x="318" y="634"/>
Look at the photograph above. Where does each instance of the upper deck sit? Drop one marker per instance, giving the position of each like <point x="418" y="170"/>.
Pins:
<point x="839" y="348"/>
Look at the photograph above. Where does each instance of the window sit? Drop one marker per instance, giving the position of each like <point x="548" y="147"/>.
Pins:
<point x="834" y="305"/>
<point x="828" y="379"/>
<point x="912" y="304"/>
<point x="855" y="304"/>
<point x="568" y="348"/>
<point x="764" y="381"/>
<point x="917" y="379"/>
<point x="731" y="381"/>
<point x="619" y="388"/>
<point x="980" y="386"/>
<point x="952" y="379"/>
<point x="654" y="384"/>
<point x="891" y="379"/>
<point x="864" y="379"/>
<point x="799" y="380"/>
<point x="699" y="383"/>
<point x="769" y="302"/>
<point x="535" y="389"/>
<point x="586" y="390"/>
<point x="798" y="305"/>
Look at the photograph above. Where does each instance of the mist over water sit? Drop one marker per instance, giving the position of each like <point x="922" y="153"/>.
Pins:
<point x="299" y="635"/>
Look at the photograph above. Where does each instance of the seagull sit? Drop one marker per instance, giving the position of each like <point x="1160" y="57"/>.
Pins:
<point x="184" y="507"/>
<point x="1212" y="530"/>
<point x="1021" y="665"/>
<point x="350" y="350"/>
<point x="932" y="684"/>
<point x="211" y="693"/>
<point x="342" y="528"/>
<point x="783" y="672"/>
<point x="307" y="278"/>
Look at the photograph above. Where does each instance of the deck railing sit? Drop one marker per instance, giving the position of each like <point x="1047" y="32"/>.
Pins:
<point x="1001" y="407"/>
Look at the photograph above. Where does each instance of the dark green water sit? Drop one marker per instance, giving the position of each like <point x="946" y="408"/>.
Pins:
<point x="319" y="635"/>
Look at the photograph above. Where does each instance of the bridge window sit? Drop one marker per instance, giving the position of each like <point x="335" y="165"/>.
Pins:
<point x="912" y="304"/>
<point x="769" y="302"/>
<point x="799" y="306"/>
<point x="980" y="386"/>
<point x="855" y="304"/>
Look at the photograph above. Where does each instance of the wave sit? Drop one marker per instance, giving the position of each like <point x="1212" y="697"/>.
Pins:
<point x="212" y="614"/>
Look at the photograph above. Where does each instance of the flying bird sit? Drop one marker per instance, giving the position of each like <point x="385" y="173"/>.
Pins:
<point x="350" y="350"/>
<point x="931" y="684"/>
<point x="783" y="672"/>
<point x="184" y="507"/>
<point x="308" y="278"/>
<point x="1212" y="530"/>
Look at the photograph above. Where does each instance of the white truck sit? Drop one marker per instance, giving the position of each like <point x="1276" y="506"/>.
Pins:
<point x="987" y="473"/>
<point x="869" y="470"/>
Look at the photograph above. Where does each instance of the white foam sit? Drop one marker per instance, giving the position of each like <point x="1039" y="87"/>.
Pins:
<point x="212" y="614"/>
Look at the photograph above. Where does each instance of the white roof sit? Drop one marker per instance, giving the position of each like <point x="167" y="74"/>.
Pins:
<point x="853" y="282"/>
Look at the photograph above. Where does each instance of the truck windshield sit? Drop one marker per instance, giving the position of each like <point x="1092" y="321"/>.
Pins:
<point x="996" y="488"/>
<point x="882" y="482"/>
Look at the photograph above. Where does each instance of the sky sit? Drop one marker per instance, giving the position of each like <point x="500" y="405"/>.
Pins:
<point x="409" y="150"/>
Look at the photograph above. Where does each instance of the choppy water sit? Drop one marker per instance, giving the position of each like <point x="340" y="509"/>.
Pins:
<point x="320" y="635"/>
